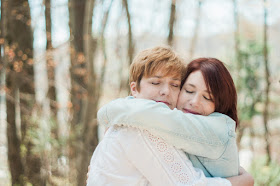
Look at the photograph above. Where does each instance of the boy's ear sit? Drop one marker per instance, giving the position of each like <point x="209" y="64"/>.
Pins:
<point x="133" y="89"/>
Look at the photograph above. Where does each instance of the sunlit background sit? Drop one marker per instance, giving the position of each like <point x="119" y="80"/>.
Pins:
<point x="62" y="60"/>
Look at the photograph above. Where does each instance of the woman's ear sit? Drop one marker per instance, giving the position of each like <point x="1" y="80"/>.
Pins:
<point x="133" y="89"/>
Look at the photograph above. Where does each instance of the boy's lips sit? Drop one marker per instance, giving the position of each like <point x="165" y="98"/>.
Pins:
<point x="165" y="102"/>
<point x="191" y="112"/>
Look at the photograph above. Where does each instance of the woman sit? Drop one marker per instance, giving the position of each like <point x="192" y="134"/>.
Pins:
<point x="207" y="134"/>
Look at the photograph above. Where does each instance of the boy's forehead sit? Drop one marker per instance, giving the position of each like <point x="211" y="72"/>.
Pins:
<point x="161" y="73"/>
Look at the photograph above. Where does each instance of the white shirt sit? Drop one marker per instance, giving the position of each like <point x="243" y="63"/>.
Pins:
<point x="129" y="156"/>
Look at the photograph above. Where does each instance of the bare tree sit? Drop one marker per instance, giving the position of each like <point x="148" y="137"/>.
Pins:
<point x="20" y="85"/>
<point x="48" y="24"/>
<point x="130" y="36"/>
<point x="78" y="85"/>
<point x="267" y="81"/>
<point x="131" y="46"/>
<point x="3" y="65"/>
<point x="94" y="87"/>
<point x="172" y="19"/>
<point x="121" y="57"/>
<point x="237" y="40"/>
<point x="85" y="91"/>
<point x="238" y="61"/>
<point x="51" y="94"/>
<point x="14" y="158"/>
<point x="50" y="63"/>
<point x="103" y="46"/>
<point x="196" y="29"/>
<point x="89" y="134"/>
<point x="78" y="64"/>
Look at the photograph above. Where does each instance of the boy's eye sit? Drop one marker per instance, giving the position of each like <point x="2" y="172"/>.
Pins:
<point x="155" y="83"/>
<point x="175" y="85"/>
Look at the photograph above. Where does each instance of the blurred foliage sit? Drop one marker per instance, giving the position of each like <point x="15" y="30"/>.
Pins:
<point x="250" y="80"/>
<point x="265" y="175"/>
<point x="45" y="137"/>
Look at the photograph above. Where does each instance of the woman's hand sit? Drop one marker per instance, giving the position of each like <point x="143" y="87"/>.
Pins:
<point x="242" y="170"/>
<point x="243" y="179"/>
<point x="88" y="168"/>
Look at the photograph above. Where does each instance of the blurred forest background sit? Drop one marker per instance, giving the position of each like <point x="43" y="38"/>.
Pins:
<point x="61" y="60"/>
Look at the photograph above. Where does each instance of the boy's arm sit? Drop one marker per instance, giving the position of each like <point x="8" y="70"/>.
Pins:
<point x="160" y="163"/>
<point x="208" y="134"/>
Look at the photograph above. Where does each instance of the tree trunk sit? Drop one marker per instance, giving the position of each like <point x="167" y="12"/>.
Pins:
<point x="237" y="43"/>
<point x="196" y="29"/>
<point x="252" y="140"/>
<point x="51" y="94"/>
<point x="267" y="88"/>
<point x="130" y="36"/>
<point x="20" y="75"/>
<point x="78" y="86"/>
<point x="84" y="92"/>
<point x="78" y="64"/>
<point x="50" y="63"/>
<point x="48" y="24"/>
<point x="77" y="14"/>
<point x="130" y="48"/>
<point x="14" y="158"/>
<point x="103" y="46"/>
<point x="89" y="131"/>
<point x="3" y="123"/>
<point x="238" y="61"/>
<point x="172" y="20"/>
<point x="121" y="57"/>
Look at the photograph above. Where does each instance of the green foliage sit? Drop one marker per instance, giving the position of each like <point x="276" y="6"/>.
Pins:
<point x="42" y="134"/>
<point x="265" y="175"/>
<point x="249" y="81"/>
<point x="37" y="135"/>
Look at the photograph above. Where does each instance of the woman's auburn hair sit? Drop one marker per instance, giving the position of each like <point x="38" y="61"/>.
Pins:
<point x="219" y="82"/>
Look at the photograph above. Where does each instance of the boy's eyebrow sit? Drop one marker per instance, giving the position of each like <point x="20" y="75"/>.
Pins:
<point x="156" y="77"/>
<point x="176" y="79"/>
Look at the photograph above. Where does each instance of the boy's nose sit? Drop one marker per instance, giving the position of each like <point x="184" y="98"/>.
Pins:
<point x="164" y="90"/>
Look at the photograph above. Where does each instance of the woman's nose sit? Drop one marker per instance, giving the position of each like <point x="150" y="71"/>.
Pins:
<point x="195" y="101"/>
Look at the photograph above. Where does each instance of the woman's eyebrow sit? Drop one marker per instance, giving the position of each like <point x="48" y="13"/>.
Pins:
<point x="192" y="85"/>
<point x="210" y="93"/>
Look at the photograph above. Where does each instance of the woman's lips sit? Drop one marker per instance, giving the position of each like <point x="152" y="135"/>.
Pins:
<point x="191" y="112"/>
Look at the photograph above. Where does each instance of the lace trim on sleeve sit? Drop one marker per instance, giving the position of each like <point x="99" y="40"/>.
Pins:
<point x="170" y="159"/>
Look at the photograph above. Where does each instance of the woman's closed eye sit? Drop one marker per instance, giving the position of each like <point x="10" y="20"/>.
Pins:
<point x="208" y="98"/>
<point x="189" y="91"/>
